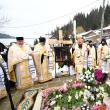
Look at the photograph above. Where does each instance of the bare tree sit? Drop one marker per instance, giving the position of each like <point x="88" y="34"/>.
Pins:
<point x="3" y="19"/>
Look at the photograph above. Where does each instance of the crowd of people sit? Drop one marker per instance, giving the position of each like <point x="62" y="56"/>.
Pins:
<point x="87" y="55"/>
<point x="23" y="62"/>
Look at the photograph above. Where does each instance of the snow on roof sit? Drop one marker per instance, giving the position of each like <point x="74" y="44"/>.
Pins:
<point x="106" y="28"/>
<point x="84" y="33"/>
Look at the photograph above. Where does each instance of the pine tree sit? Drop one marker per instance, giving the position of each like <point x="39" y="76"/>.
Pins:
<point x="107" y="15"/>
<point x="86" y="22"/>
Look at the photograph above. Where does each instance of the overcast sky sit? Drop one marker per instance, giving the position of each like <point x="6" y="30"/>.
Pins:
<point x="34" y="18"/>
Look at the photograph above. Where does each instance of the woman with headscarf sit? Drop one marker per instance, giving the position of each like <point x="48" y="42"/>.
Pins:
<point x="3" y="51"/>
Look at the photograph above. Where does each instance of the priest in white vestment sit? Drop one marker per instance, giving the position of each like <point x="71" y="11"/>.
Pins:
<point x="41" y="57"/>
<point x="18" y="64"/>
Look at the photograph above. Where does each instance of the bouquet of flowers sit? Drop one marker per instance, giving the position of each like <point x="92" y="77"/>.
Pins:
<point x="75" y="95"/>
<point x="77" y="85"/>
<point x="99" y="106"/>
<point x="85" y="107"/>
<point x="107" y="89"/>
<point x="100" y="76"/>
<point x="92" y="93"/>
<point x="106" y="57"/>
<point x="87" y="76"/>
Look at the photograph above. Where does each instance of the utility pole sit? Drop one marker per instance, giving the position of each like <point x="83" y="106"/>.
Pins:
<point x="74" y="28"/>
<point x="102" y="19"/>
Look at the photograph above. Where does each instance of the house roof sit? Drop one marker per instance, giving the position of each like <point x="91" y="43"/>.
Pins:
<point x="85" y="33"/>
<point x="106" y="28"/>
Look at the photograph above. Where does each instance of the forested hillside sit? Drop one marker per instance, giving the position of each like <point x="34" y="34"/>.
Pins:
<point x="85" y="22"/>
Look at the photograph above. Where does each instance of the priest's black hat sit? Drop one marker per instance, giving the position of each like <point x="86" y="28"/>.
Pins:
<point x="103" y="40"/>
<point x="19" y="38"/>
<point x="42" y="39"/>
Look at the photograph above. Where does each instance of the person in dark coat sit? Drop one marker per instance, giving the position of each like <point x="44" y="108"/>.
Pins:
<point x="3" y="51"/>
